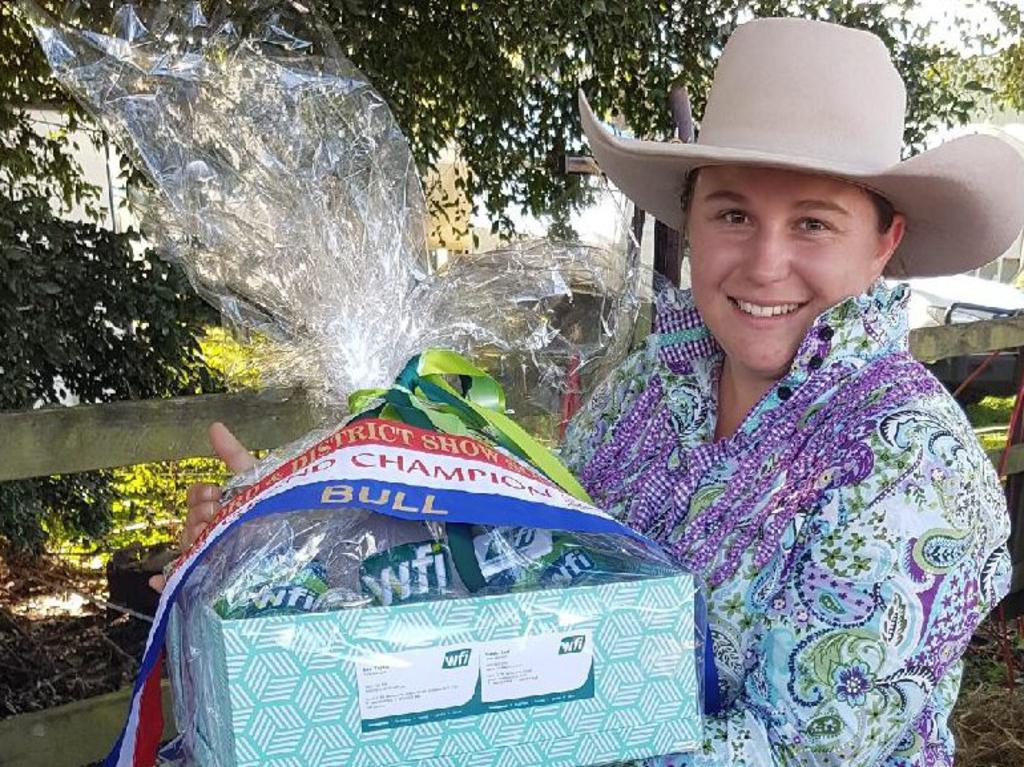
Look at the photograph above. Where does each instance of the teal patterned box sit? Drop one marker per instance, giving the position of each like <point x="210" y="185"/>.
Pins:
<point x="572" y="676"/>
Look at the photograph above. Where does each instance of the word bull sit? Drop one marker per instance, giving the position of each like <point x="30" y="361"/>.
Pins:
<point x="345" y="494"/>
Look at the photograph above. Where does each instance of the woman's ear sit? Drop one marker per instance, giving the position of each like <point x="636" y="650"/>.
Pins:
<point x="888" y="242"/>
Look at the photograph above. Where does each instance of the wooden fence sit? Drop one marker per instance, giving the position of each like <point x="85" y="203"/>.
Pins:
<point x="64" y="440"/>
<point x="49" y="441"/>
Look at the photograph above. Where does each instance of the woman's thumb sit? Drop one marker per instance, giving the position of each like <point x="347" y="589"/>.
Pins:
<point x="229" y="449"/>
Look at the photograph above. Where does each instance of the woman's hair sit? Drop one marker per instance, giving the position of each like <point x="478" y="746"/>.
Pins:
<point x="884" y="210"/>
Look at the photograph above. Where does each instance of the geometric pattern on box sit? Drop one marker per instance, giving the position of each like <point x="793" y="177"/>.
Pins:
<point x="284" y="688"/>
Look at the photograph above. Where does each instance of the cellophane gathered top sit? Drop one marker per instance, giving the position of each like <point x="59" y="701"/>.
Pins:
<point x="852" y="532"/>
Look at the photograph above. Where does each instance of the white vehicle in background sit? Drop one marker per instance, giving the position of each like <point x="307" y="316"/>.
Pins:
<point x="963" y="298"/>
<point x="987" y="293"/>
<point x="960" y="298"/>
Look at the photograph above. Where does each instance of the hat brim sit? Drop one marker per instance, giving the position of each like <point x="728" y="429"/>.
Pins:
<point x="963" y="200"/>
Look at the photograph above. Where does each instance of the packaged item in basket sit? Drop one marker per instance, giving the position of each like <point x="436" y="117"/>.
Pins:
<point x="277" y="592"/>
<point x="511" y="558"/>
<point x="411" y="572"/>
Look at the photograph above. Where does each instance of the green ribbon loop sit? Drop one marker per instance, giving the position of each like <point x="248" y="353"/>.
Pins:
<point x="423" y="397"/>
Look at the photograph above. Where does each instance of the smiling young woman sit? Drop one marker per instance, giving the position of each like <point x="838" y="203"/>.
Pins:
<point x="774" y="433"/>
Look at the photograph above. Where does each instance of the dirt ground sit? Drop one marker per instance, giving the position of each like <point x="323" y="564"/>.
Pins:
<point x="55" y="645"/>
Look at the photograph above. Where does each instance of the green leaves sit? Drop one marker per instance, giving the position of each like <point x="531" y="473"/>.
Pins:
<point x="497" y="81"/>
<point x="82" y="315"/>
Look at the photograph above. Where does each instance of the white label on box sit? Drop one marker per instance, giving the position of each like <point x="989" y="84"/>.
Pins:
<point x="417" y="680"/>
<point x="539" y="665"/>
<point x="436" y="683"/>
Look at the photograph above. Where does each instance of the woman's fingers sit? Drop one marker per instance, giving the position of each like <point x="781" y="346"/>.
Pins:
<point x="201" y="492"/>
<point x="229" y="449"/>
<point x="202" y="506"/>
<point x="202" y="498"/>
<point x="199" y="516"/>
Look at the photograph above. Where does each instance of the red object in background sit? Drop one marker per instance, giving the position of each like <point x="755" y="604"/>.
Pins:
<point x="1014" y="489"/>
<point x="572" y="397"/>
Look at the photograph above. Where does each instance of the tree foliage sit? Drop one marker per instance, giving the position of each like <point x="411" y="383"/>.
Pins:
<point x="1008" y="64"/>
<point x="150" y="497"/>
<point x="83" y="315"/>
<point x="497" y="80"/>
<point x="33" y="164"/>
<point x="85" y="312"/>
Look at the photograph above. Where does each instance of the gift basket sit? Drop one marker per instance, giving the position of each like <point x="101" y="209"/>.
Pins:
<point x="423" y="583"/>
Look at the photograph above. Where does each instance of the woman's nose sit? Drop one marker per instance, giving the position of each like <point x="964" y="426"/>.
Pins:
<point x="768" y="256"/>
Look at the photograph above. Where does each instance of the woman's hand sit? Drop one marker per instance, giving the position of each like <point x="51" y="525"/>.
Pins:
<point x="203" y="497"/>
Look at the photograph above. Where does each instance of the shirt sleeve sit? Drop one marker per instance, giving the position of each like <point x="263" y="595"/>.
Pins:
<point x="594" y="423"/>
<point x="857" y="638"/>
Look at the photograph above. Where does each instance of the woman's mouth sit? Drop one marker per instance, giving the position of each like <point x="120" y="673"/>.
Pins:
<point x="764" y="310"/>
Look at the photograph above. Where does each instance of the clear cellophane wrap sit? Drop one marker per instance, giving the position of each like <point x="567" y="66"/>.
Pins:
<point x="282" y="184"/>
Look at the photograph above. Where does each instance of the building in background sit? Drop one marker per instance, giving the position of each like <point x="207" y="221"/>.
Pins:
<point x="100" y="161"/>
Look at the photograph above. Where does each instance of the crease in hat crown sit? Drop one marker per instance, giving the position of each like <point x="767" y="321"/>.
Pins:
<point x="850" y="113"/>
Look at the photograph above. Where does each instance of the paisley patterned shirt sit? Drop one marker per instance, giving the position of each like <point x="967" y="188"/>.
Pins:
<point x="851" y="532"/>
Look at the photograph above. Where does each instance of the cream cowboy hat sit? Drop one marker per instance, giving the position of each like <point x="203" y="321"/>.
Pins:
<point x="821" y="98"/>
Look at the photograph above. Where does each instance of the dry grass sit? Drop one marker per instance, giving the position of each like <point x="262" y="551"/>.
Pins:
<point x="989" y="725"/>
<point x="988" y="720"/>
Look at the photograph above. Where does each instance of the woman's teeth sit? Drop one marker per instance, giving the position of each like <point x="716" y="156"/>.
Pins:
<point x="766" y="311"/>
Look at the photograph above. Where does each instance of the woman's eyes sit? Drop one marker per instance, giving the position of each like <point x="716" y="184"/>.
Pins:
<point x="733" y="217"/>
<point x="814" y="225"/>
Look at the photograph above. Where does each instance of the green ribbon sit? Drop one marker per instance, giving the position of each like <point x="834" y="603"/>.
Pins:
<point x="422" y="396"/>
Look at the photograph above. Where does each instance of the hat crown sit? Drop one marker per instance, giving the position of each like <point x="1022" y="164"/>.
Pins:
<point x="807" y="89"/>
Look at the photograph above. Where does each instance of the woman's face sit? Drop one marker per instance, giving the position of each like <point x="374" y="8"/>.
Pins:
<point x="770" y="250"/>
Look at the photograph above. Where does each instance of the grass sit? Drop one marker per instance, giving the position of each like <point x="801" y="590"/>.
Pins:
<point x="986" y="415"/>
<point x="988" y="720"/>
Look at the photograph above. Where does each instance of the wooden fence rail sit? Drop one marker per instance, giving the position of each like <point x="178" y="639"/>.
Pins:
<point x="64" y="440"/>
<point x="68" y="439"/>
<point x="938" y="343"/>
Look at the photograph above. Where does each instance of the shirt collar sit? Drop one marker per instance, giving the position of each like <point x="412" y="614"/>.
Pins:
<point x="851" y="333"/>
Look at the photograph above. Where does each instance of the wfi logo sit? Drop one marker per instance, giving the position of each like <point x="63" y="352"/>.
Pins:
<point x="572" y="644"/>
<point x="519" y="538"/>
<point x="456" y="658"/>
